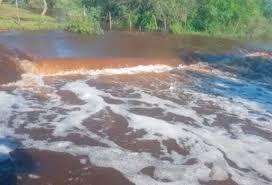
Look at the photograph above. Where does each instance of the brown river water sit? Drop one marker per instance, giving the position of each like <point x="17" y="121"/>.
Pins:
<point x="134" y="108"/>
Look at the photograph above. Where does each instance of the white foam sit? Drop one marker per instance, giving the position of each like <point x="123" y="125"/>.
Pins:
<point x="94" y="104"/>
<point x="4" y="152"/>
<point x="6" y="147"/>
<point x="6" y="102"/>
<point x="206" y="143"/>
<point x="213" y="136"/>
<point x="28" y="81"/>
<point x="125" y="162"/>
<point x="33" y="176"/>
<point x="157" y="68"/>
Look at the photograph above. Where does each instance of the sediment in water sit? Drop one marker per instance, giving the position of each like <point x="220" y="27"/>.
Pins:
<point x="13" y="63"/>
<point x="10" y="70"/>
<point x="64" y="65"/>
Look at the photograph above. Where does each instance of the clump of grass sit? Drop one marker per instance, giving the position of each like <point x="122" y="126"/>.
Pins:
<point x="11" y="19"/>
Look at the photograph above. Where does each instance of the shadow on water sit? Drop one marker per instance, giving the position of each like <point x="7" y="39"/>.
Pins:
<point x="14" y="163"/>
<point x="256" y="69"/>
<point x="233" y="88"/>
<point x="252" y="82"/>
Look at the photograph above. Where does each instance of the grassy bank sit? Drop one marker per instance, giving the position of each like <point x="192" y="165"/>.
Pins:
<point x="27" y="20"/>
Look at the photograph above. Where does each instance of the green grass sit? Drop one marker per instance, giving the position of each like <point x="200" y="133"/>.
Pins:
<point x="28" y="20"/>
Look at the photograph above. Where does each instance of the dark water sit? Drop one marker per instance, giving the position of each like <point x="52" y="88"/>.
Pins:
<point x="134" y="108"/>
<point x="114" y="44"/>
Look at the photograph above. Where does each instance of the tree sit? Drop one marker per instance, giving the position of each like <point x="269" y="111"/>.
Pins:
<point x="267" y="8"/>
<point x="45" y="8"/>
<point x="212" y="16"/>
<point x="216" y="15"/>
<point x="17" y="11"/>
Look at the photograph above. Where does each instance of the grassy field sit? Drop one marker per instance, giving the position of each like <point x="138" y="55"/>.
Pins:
<point x="27" y="20"/>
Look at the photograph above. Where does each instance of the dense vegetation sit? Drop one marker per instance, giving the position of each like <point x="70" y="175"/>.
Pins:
<point x="242" y="18"/>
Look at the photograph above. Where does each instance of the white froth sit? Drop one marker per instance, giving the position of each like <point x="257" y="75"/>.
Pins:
<point x="4" y="152"/>
<point x="157" y="68"/>
<point x="33" y="176"/>
<point x="28" y="81"/>
<point x="131" y="164"/>
<point x="6" y="102"/>
<point x="214" y="137"/>
<point x="208" y="144"/>
<point x="94" y="104"/>
<point x="6" y="146"/>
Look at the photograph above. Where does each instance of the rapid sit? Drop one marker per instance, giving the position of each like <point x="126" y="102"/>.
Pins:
<point x="134" y="108"/>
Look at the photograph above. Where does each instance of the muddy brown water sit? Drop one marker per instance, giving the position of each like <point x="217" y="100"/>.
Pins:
<point x="113" y="44"/>
<point x="134" y="108"/>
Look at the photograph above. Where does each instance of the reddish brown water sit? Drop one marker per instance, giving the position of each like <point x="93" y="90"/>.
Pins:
<point x="114" y="44"/>
<point x="141" y="109"/>
<point x="58" y="66"/>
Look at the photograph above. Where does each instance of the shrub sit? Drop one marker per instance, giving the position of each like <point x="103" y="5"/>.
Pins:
<point x="176" y="28"/>
<point x="82" y="24"/>
<point x="146" y="22"/>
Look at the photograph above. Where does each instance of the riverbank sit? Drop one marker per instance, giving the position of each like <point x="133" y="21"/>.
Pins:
<point x="26" y="20"/>
<point x="11" y="19"/>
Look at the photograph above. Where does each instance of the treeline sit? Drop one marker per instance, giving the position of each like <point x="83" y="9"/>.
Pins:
<point x="251" y="18"/>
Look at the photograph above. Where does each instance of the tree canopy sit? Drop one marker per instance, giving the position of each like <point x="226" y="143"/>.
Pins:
<point x="209" y="16"/>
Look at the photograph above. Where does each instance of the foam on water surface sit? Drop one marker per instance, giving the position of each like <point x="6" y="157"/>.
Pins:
<point x="159" y="68"/>
<point x="5" y="148"/>
<point x="226" y="138"/>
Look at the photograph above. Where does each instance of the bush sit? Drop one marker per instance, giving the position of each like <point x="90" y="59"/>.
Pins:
<point x="176" y="28"/>
<point x="259" y="28"/>
<point x="82" y="24"/>
<point x="267" y="8"/>
<point x="146" y="22"/>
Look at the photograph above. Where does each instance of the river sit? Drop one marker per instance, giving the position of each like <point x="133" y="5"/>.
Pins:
<point x="134" y="108"/>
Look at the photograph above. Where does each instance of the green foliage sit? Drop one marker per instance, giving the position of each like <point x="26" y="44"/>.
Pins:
<point x="215" y="15"/>
<point x="258" y="27"/>
<point x="267" y="8"/>
<point x="83" y="24"/>
<point x="240" y="18"/>
<point x="78" y="18"/>
<point x="146" y="23"/>
<point x="176" y="28"/>
<point x="37" y="4"/>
